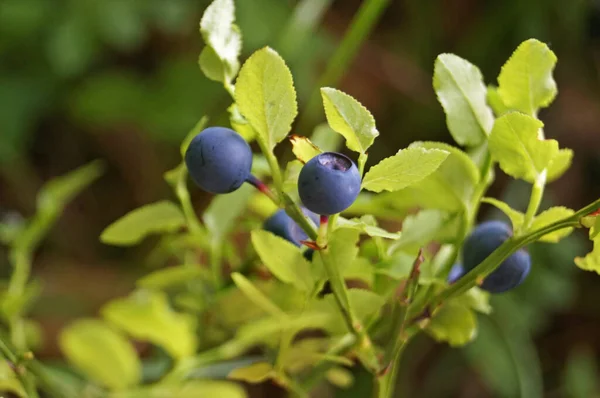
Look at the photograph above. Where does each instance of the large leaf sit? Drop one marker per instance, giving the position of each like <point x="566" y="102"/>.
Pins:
<point x="146" y="315"/>
<point x="348" y="117"/>
<point x="405" y="168"/>
<point x="515" y="144"/>
<point x="283" y="259"/>
<point x="155" y="218"/>
<point x="101" y="353"/>
<point x="453" y="323"/>
<point x="449" y="188"/>
<point x="525" y="81"/>
<point x="219" y="60"/>
<point x="265" y="95"/>
<point x="461" y="91"/>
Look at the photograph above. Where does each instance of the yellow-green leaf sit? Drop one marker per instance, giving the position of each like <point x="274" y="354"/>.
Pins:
<point x="146" y="315"/>
<point x="405" y="168"/>
<point x="9" y="381"/>
<point x="516" y="145"/>
<point x="254" y="374"/>
<point x="515" y="216"/>
<point x="525" y="81"/>
<point x="101" y="353"/>
<point x="462" y="93"/>
<point x="349" y="118"/>
<point x="265" y="96"/>
<point x="169" y="277"/>
<point x="453" y="323"/>
<point x="283" y="259"/>
<point x="549" y="216"/>
<point x="159" y="217"/>
<point x="560" y="164"/>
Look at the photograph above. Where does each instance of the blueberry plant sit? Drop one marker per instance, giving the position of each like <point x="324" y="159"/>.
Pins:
<point x="290" y="278"/>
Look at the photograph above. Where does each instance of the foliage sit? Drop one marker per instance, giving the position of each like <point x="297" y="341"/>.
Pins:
<point x="236" y="288"/>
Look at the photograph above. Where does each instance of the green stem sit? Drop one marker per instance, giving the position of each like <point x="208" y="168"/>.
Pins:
<point x="274" y="166"/>
<point x="362" y="160"/>
<point x="506" y="249"/>
<point x="537" y="191"/>
<point x="363" y="22"/>
<point x="186" y="203"/>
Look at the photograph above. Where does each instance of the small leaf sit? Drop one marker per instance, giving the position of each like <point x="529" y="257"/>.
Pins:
<point x="549" y="216"/>
<point x="515" y="144"/>
<point x="407" y="167"/>
<point x="349" y="118"/>
<point x="146" y="315"/>
<point x="340" y="377"/>
<point x="363" y="227"/>
<point x="155" y="218"/>
<point x="525" y="81"/>
<point x="283" y="259"/>
<point x="515" y="216"/>
<point x="454" y="324"/>
<point x="461" y="91"/>
<point x="224" y="38"/>
<point x="9" y="381"/>
<point x="303" y="148"/>
<point x="255" y="295"/>
<point x="420" y="229"/>
<point x="476" y="299"/>
<point x="560" y="164"/>
<point x="170" y="277"/>
<point x="211" y="65"/>
<point x="253" y="374"/>
<point x="101" y="353"/>
<point x="591" y="262"/>
<point x="221" y="215"/>
<point x="325" y="138"/>
<point x="265" y="96"/>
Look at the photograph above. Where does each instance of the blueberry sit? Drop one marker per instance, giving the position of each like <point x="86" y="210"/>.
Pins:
<point x="219" y="160"/>
<point x="486" y="238"/>
<point x="282" y="225"/>
<point x="456" y="273"/>
<point x="329" y="183"/>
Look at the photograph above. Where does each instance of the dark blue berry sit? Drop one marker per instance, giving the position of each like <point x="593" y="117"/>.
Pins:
<point x="484" y="240"/>
<point x="456" y="273"/>
<point x="219" y="160"/>
<point x="282" y="225"/>
<point x="329" y="183"/>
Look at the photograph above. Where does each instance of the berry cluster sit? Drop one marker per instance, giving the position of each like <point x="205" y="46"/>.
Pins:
<point x="219" y="161"/>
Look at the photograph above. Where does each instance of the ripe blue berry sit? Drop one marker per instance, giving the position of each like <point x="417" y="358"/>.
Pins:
<point x="282" y="225"/>
<point x="329" y="183"/>
<point x="219" y="160"/>
<point x="456" y="273"/>
<point x="486" y="238"/>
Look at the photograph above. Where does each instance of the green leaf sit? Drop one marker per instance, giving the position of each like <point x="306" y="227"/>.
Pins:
<point x="366" y="227"/>
<point x="155" y="218"/>
<point x="240" y="124"/>
<point x="515" y="216"/>
<point x="9" y="381"/>
<point x="101" y="353"/>
<point x="525" y="81"/>
<point x="303" y="148"/>
<point x="170" y="277"/>
<point x="495" y="102"/>
<point x="188" y="389"/>
<point x="254" y="374"/>
<point x="560" y="164"/>
<point x="146" y="315"/>
<point x="454" y="324"/>
<point x="420" y="229"/>
<point x="515" y="144"/>
<point x="325" y="138"/>
<point x="265" y="96"/>
<point x="283" y="259"/>
<point x="224" y="38"/>
<point x="255" y="295"/>
<point x="59" y="191"/>
<point x="449" y="188"/>
<point x="405" y="168"/>
<point x="549" y="216"/>
<point x="476" y="299"/>
<point x="461" y="91"/>
<point x="591" y="262"/>
<point x="349" y="118"/>
<point x="221" y="215"/>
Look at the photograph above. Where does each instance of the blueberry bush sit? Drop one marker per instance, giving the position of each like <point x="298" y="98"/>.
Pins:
<point x="295" y="277"/>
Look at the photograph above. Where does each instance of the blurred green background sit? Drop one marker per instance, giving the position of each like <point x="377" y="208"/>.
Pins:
<point x="118" y="80"/>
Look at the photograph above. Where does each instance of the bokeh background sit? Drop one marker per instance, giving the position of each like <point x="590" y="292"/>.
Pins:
<point x="118" y="80"/>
